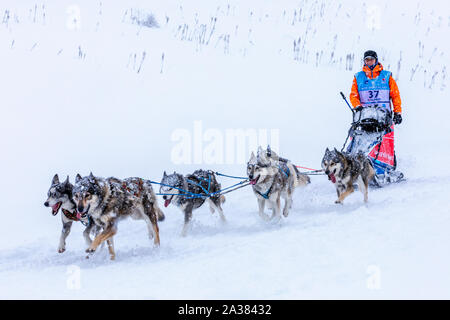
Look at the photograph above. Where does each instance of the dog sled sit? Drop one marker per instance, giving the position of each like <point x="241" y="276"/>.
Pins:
<point x="372" y="132"/>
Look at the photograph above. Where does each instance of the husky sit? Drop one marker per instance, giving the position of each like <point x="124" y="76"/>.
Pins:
<point x="109" y="200"/>
<point x="271" y="178"/>
<point x="190" y="192"/>
<point x="60" y="197"/>
<point x="344" y="170"/>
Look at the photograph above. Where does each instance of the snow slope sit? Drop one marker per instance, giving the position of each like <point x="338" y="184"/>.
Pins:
<point x="78" y="94"/>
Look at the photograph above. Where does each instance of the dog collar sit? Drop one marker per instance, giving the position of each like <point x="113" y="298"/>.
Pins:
<point x="72" y="216"/>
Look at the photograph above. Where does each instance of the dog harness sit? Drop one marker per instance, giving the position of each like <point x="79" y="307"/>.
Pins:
<point x="284" y="168"/>
<point x="200" y="179"/>
<point x="136" y="193"/>
<point x="198" y="184"/>
<point x="73" y="216"/>
<point x="374" y="91"/>
<point x="265" y="195"/>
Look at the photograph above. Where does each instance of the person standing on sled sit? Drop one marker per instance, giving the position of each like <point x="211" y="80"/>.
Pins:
<point x="373" y="70"/>
<point x="371" y="87"/>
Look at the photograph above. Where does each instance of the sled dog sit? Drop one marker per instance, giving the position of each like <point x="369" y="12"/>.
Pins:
<point x="271" y="178"/>
<point x="107" y="201"/>
<point x="60" y="197"/>
<point x="344" y="170"/>
<point x="190" y="192"/>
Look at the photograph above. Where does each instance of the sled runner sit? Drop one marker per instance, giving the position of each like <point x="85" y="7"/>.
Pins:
<point x="372" y="132"/>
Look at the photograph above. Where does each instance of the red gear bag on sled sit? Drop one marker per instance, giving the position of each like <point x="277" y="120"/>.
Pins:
<point x="382" y="154"/>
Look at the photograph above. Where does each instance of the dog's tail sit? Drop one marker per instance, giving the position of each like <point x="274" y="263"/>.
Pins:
<point x="361" y="157"/>
<point x="222" y="199"/>
<point x="370" y="169"/>
<point x="301" y="179"/>
<point x="366" y="165"/>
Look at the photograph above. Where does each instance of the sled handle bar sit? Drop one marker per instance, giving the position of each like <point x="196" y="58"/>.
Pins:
<point x="345" y="99"/>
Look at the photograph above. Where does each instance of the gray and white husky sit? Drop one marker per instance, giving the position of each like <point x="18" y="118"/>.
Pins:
<point x="109" y="200"/>
<point x="60" y="197"/>
<point x="190" y="192"/>
<point x="344" y="170"/>
<point x="271" y="178"/>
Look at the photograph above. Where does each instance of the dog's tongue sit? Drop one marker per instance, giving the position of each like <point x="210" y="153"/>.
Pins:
<point x="253" y="182"/>
<point x="167" y="202"/>
<point x="79" y="215"/>
<point x="55" y="207"/>
<point x="332" y="178"/>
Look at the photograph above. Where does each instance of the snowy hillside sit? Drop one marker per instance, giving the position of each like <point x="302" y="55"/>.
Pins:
<point x="115" y="88"/>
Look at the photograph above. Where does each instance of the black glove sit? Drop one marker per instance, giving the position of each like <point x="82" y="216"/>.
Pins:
<point x="397" y="118"/>
<point x="358" y="108"/>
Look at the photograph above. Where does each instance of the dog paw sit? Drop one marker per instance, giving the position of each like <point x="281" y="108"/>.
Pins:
<point x="90" y="250"/>
<point x="338" y="202"/>
<point x="275" y="220"/>
<point x="265" y="217"/>
<point x="61" y="250"/>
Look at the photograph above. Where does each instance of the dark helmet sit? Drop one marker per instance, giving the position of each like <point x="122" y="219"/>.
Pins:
<point x="371" y="54"/>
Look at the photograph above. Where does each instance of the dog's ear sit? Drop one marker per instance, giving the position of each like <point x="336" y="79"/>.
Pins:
<point x="164" y="174"/>
<point x="67" y="180"/>
<point x="269" y="151"/>
<point x="252" y="158"/>
<point x="78" y="178"/>
<point x="327" y="150"/>
<point x="92" y="178"/>
<point x="340" y="155"/>
<point x="261" y="153"/>
<point x="55" y="179"/>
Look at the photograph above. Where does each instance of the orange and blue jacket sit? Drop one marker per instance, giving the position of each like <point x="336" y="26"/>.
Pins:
<point x="394" y="94"/>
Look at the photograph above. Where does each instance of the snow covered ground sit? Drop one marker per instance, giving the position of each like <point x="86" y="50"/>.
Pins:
<point x="85" y="88"/>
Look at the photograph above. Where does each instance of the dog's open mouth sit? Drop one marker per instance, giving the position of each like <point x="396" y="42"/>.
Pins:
<point x="332" y="177"/>
<point x="55" y="208"/>
<point x="254" y="181"/>
<point x="167" y="201"/>
<point x="82" y="215"/>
